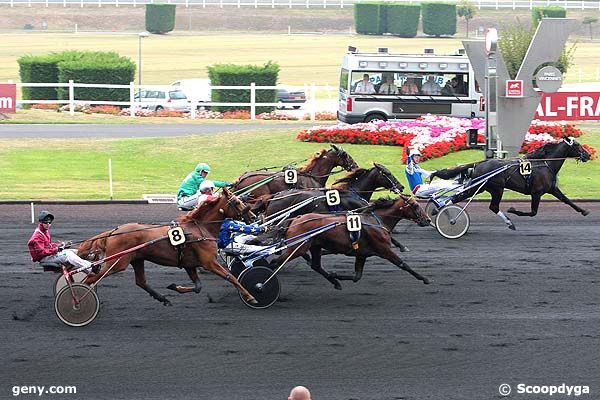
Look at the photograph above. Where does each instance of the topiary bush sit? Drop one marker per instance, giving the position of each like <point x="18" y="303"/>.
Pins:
<point x="402" y="19"/>
<point x="537" y="13"/>
<point x="160" y="18"/>
<point x="369" y="18"/>
<point x="438" y="19"/>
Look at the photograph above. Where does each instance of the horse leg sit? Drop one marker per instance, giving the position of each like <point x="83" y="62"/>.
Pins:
<point x="193" y="274"/>
<point x="402" y="247"/>
<point x="359" y="265"/>
<point x="535" y="203"/>
<point x="140" y="280"/>
<point x="389" y="255"/>
<point x="495" y="207"/>
<point x="109" y="268"/>
<point x="218" y="269"/>
<point x="556" y="192"/>
<point x="316" y="266"/>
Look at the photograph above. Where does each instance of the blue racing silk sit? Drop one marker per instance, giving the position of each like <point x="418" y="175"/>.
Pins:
<point x="230" y="228"/>
<point x="415" y="174"/>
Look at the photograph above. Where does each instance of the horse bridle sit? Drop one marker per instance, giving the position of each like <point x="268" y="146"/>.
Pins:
<point x="241" y="209"/>
<point x="394" y="187"/>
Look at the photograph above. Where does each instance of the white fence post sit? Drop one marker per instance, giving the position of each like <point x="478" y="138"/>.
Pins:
<point x="32" y="213"/>
<point x="110" y="185"/>
<point x="253" y="100"/>
<point x="313" y="101"/>
<point x="71" y="98"/>
<point x="132" y="99"/>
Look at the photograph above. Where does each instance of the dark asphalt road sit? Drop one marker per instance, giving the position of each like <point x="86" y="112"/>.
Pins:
<point x="505" y="307"/>
<point x="138" y="130"/>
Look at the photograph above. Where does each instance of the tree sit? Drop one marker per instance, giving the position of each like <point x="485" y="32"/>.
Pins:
<point x="466" y="10"/>
<point x="589" y="21"/>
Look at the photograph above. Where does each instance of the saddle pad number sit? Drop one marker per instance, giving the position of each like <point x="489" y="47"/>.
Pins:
<point x="176" y="236"/>
<point x="333" y="197"/>
<point x="290" y="176"/>
<point x="525" y="168"/>
<point x="353" y="223"/>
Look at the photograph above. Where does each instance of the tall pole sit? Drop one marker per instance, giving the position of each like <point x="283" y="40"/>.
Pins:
<point x="140" y="61"/>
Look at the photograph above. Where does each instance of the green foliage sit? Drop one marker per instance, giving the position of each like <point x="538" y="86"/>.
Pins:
<point x="514" y="42"/>
<point x="369" y="18"/>
<point x="160" y="18"/>
<point x="402" y="19"/>
<point x="466" y="10"/>
<point x="537" y="13"/>
<point x="243" y="75"/>
<point x="438" y="19"/>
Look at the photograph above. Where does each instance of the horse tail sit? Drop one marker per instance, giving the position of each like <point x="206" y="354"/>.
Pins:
<point x="449" y="173"/>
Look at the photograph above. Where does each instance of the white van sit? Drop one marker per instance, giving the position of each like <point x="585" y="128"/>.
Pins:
<point x="382" y="86"/>
<point x="196" y="90"/>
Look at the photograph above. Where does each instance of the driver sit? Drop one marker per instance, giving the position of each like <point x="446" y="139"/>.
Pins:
<point x="234" y="235"/>
<point x="415" y="176"/>
<point x="187" y="196"/>
<point x="42" y="249"/>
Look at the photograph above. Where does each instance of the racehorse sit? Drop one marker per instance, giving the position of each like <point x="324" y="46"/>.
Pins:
<point x="375" y="239"/>
<point x="313" y="175"/>
<point x="355" y="190"/>
<point x="200" y="227"/>
<point x="546" y="162"/>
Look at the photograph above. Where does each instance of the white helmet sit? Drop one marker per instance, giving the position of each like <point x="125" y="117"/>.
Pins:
<point x="415" y="152"/>
<point x="205" y="185"/>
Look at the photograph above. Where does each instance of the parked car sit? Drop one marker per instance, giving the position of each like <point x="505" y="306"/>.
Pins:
<point x="157" y="99"/>
<point x="196" y="90"/>
<point x="290" y="96"/>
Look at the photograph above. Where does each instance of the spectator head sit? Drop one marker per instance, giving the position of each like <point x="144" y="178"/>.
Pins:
<point x="299" y="393"/>
<point x="365" y="77"/>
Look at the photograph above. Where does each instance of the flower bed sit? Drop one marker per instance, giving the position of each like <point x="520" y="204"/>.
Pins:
<point x="434" y="136"/>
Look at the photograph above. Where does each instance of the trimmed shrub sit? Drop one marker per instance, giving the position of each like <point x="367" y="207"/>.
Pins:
<point x="402" y="19"/>
<point x="243" y="75"/>
<point x="537" y="13"/>
<point x="438" y="19"/>
<point x="369" y="18"/>
<point x="160" y="18"/>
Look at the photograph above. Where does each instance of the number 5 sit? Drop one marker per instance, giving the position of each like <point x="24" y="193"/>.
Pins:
<point x="333" y="197"/>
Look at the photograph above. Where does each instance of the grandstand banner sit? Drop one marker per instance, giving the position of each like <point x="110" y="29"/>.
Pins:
<point x="8" y="97"/>
<point x="569" y="106"/>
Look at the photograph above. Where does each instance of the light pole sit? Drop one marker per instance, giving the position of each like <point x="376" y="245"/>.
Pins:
<point x="140" y="36"/>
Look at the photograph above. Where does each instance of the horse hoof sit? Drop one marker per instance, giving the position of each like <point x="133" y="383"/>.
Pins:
<point x="172" y="286"/>
<point x="252" y="301"/>
<point x="511" y="210"/>
<point x="512" y="227"/>
<point x="167" y="303"/>
<point x="584" y="212"/>
<point x="427" y="281"/>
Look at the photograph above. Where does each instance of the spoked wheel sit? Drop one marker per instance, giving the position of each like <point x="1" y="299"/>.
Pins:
<point x="429" y="210"/>
<point x="76" y="314"/>
<point x="452" y="221"/>
<point x="237" y="266"/>
<point x="253" y="279"/>
<point x="75" y="278"/>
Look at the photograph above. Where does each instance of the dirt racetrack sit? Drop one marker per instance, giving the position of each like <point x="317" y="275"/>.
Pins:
<point x="505" y="307"/>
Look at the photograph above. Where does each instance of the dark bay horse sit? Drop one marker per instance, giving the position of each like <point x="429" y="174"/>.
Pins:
<point x="374" y="240"/>
<point x="313" y="175"/>
<point x="546" y="162"/>
<point x="355" y="190"/>
<point x="201" y="227"/>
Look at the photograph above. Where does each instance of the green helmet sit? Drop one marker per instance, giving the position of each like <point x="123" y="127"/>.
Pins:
<point x="202" y="167"/>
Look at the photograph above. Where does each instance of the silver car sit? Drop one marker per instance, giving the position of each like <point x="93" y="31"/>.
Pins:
<point x="158" y="99"/>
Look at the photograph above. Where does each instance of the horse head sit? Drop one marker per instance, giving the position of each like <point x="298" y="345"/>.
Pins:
<point x="410" y="209"/>
<point x="576" y="150"/>
<point x="342" y="158"/>
<point x="387" y="180"/>
<point x="235" y="208"/>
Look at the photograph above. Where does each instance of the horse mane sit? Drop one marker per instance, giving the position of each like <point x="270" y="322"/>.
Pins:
<point x="345" y="181"/>
<point x="542" y="151"/>
<point x="384" y="202"/>
<point x="310" y="165"/>
<point x="200" y="212"/>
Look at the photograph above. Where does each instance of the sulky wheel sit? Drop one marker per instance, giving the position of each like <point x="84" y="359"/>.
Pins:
<point x="452" y="222"/>
<point x="75" y="278"/>
<point x="253" y="279"/>
<point x="76" y="314"/>
<point x="429" y="210"/>
<point x="237" y="266"/>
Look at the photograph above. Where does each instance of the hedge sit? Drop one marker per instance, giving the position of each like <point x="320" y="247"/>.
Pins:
<point x="369" y="18"/>
<point x="160" y="18"/>
<point x="439" y="18"/>
<point x="537" y="13"/>
<point x="243" y="75"/>
<point x="402" y="19"/>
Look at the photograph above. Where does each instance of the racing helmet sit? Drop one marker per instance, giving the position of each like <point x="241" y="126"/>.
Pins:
<point x="415" y="152"/>
<point x="202" y="167"/>
<point x="205" y="185"/>
<point x="45" y="216"/>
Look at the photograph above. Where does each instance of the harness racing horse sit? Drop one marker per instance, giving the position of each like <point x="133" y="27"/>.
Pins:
<point x="313" y="175"/>
<point x="374" y="239"/>
<point x="355" y="190"/>
<point x="200" y="227"/>
<point x="546" y="162"/>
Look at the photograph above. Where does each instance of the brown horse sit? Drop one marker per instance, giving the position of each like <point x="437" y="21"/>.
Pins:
<point x="375" y="239"/>
<point x="201" y="227"/>
<point x="313" y="175"/>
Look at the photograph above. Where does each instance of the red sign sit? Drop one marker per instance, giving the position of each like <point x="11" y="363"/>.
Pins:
<point x="8" y="97"/>
<point x="514" y="88"/>
<point x="569" y="106"/>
